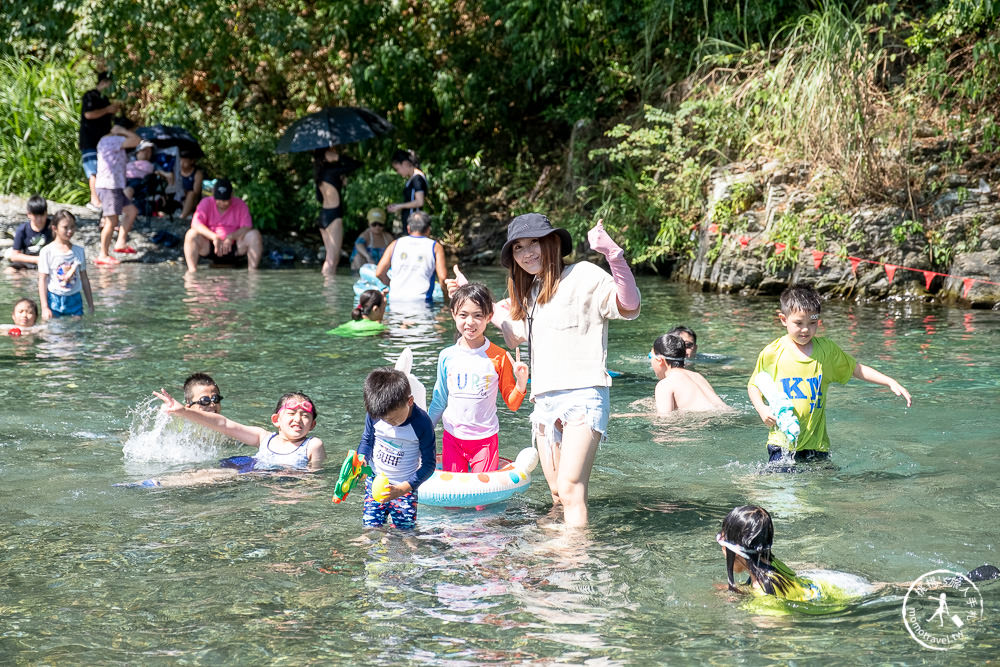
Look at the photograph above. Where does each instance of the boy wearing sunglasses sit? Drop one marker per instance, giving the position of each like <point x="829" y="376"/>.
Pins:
<point x="202" y="393"/>
<point x="291" y="448"/>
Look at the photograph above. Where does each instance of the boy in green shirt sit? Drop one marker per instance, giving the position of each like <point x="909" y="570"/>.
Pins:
<point x="803" y="366"/>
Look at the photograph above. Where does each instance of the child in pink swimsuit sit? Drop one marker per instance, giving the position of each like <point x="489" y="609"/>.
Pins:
<point x="470" y="373"/>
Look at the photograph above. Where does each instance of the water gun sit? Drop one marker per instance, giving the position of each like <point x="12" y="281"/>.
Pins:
<point x="380" y="488"/>
<point x="354" y="466"/>
<point x="781" y="406"/>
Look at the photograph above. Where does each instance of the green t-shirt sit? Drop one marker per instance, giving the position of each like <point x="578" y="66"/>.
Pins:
<point x="804" y="381"/>
<point x="356" y="328"/>
<point x="828" y="593"/>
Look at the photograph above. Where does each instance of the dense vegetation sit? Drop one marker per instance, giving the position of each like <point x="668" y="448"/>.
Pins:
<point x="617" y="108"/>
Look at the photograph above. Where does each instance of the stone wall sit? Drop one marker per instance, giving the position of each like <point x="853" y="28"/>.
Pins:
<point x="955" y="231"/>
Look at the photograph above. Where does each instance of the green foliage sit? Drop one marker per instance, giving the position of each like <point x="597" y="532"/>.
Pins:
<point x="788" y="229"/>
<point x="491" y="91"/>
<point x="902" y="232"/>
<point x="39" y="120"/>
<point x="726" y="212"/>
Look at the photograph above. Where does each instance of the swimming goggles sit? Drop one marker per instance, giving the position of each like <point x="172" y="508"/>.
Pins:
<point x="205" y="401"/>
<point x="735" y="548"/>
<point x="292" y="404"/>
<point x="653" y="355"/>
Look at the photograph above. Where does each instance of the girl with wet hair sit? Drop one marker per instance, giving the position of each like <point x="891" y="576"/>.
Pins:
<point x="746" y="537"/>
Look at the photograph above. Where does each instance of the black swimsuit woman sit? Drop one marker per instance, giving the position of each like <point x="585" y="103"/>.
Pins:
<point x="330" y="168"/>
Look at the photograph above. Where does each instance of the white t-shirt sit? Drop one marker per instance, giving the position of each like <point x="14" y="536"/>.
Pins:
<point x="568" y="336"/>
<point x="63" y="268"/>
<point x="413" y="265"/>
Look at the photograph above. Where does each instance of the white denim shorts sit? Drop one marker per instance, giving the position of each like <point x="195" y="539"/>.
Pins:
<point x="589" y="405"/>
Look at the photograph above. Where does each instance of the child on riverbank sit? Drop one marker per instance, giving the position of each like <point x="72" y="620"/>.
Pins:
<point x="469" y="375"/>
<point x="679" y="388"/>
<point x="31" y="236"/>
<point x="110" y="182"/>
<point x="62" y="272"/>
<point x="398" y="442"/>
<point x="804" y="366"/>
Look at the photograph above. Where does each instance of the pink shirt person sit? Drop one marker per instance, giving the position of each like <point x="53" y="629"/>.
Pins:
<point x="221" y="227"/>
<point x="223" y="223"/>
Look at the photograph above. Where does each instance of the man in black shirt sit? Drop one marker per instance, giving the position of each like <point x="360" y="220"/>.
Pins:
<point x="96" y="115"/>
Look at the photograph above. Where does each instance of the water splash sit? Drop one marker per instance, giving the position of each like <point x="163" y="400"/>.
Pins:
<point x="156" y="436"/>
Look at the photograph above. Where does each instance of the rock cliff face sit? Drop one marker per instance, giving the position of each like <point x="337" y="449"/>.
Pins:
<point x="769" y="225"/>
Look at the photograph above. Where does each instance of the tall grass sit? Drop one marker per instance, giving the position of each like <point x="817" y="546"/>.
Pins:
<point x="820" y="99"/>
<point x="39" y="123"/>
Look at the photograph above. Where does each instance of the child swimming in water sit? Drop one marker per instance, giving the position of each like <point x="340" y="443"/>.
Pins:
<point x="290" y="448"/>
<point x="24" y="318"/>
<point x="679" y="388"/>
<point x="366" y="318"/>
<point x="746" y="538"/>
<point x="689" y="337"/>
<point x="469" y="375"/>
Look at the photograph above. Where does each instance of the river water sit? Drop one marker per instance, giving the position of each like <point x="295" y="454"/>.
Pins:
<point x="269" y="571"/>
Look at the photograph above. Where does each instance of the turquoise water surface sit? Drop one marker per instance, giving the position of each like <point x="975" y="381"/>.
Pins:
<point x="269" y="571"/>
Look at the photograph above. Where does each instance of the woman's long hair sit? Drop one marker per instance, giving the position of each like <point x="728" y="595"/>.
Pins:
<point x="750" y="533"/>
<point x="519" y="281"/>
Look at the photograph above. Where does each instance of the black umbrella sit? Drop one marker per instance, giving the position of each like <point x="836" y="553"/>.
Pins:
<point x="333" y="126"/>
<point x="171" y="135"/>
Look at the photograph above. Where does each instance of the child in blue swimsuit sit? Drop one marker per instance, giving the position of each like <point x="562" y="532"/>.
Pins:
<point x="290" y="448"/>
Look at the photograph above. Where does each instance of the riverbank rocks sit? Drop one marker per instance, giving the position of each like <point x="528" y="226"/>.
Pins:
<point x="787" y="228"/>
<point x="155" y="239"/>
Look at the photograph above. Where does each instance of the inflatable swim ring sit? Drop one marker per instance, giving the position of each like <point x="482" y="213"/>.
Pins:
<point x="474" y="489"/>
<point x="368" y="280"/>
<point x="358" y="328"/>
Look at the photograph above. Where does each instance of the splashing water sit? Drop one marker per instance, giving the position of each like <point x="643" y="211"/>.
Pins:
<point x="155" y="436"/>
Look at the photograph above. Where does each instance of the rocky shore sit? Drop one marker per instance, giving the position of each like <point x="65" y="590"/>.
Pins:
<point x="155" y="239"/>
<point x="949" y="252"/>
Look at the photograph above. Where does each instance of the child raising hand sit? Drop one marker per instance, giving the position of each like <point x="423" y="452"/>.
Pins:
<point x="291" y="447"/>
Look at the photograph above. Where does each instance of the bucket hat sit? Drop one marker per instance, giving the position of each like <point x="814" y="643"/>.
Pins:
<point x="531" y="226"/>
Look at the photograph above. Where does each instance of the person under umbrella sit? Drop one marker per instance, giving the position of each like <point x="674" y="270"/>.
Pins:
<point x="330" y="167"/>
<point x="324" y="133"/>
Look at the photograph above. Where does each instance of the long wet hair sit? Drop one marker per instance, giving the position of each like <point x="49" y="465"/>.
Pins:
<point x="749" y="529"/>
<point x="369" y="300"/>
<point x="519" y="281"/>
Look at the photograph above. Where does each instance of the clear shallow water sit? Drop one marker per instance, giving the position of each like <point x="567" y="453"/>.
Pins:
<point x="266" y="571"/>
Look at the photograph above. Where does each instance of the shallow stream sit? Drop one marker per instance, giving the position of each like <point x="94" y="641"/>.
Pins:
<point x="269" y="571"/>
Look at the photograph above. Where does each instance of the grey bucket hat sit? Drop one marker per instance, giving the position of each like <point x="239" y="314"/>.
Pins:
<point x="531" y="226"/>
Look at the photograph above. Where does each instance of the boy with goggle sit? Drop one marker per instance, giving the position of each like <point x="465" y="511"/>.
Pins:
<point x="291" y="448"/>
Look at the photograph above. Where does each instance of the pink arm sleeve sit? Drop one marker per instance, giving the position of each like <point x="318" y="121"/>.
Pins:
<point x="627" y="291"/>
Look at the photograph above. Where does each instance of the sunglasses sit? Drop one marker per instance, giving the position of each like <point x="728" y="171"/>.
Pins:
<point x="689" y="345"/>
<point x="298" y="405"/>
<point x="376" y="224"/>
<point x="205" y="401"/>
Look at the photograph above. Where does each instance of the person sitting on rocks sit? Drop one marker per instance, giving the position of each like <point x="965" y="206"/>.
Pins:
<point x="222" y="230"/>
<point x="192" y="177"/>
